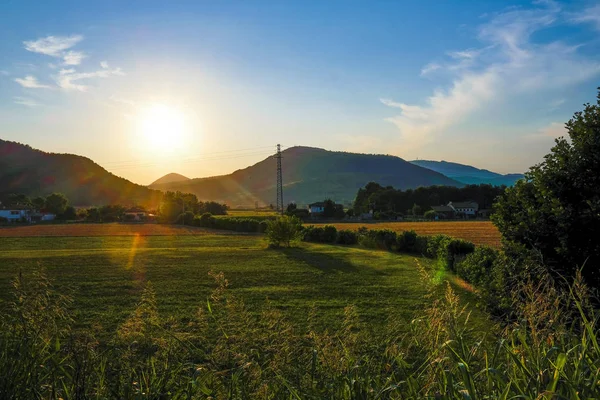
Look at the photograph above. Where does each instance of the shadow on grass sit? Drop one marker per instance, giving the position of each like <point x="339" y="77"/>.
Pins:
<point x="325" y="262"/>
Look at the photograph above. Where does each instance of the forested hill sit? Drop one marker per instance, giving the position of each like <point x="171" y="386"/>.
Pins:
<point x="33" y="172"/>
<point x="468" y="174"/>
<point x="309" y="175"/>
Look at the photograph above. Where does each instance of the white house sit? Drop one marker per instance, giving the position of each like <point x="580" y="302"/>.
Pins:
<point x="317" y="208"/>
<point x="15" y="214"/>
<point x="468" y="208"/>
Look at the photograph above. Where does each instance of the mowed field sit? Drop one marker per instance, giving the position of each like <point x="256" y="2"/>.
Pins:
<point x="478" y="232"/>
<point x="105" y="275"/>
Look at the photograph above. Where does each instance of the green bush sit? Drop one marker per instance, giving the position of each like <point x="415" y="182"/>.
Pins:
<point x="407" y="241"/>
<point x="477" y="267"/>
<point x="186" y="218"/>
<point x="284" y="230"/>
<point x="452" y="251"/>
<point x="325" y="234"/>
<point x="434" y="244"/>
<point x="346" y="236"/>
<point x="430" y="215"/>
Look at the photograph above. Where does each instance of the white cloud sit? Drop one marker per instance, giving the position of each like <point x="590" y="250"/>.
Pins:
<point x="31" y="82"/>
<point x="507" y="66"/>
<point x="430" y="68"/>
<point x="73" y="57"/>
<point x="589" y="15"/>
<point x="67" y="78"/>
<point x="52" y="45"/>
<point x="104" y="64"/>
<point x="24" y="101"/>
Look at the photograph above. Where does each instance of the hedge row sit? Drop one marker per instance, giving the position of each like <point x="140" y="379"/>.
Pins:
<point x="228" y="223"/>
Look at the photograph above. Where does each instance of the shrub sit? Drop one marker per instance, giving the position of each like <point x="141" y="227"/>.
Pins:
<point x="434" y="243"/>
<point x="284" y="230"/>
<point x="477" y="266"/>
<point x="430" y="215"/>
<point x="186" y="218"/>
<point x="407" y="241"/>
<point x="262" y="226"/>
<point x="452" y="251"/>
<point x="346" y="236"/>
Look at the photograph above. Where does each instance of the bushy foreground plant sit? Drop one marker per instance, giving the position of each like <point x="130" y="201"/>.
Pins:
<point x="284" y="231"/>
<point x="227" y="351"/>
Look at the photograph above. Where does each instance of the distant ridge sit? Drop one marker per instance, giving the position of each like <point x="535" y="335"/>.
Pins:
<point x="310" y="174"/>
<point x="37" y="173"/>
<point x="467" y="174"/>
<point x="170" y="178"/>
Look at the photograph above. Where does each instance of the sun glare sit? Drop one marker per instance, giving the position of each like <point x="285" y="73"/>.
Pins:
<point x="162" y="128"/>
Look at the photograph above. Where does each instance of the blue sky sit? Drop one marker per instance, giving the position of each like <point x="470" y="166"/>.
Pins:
<point x="486" y="83"/>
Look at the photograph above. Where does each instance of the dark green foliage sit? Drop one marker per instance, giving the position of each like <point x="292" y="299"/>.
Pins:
<point x="299" y="213"/>
<point x="477" y="267"/>
<point x="291" y="208"/>
<point x="452" y="251"/>
<point x="56" y="203"/>
<point x="430" y="215"/>
<point x="555" y="212"/>
<point x="283" y="231"/>
<point x="346" y="236"/>
<point x="389" y="200"/>
<point x="407" y="241"/>
<point x="111" y="213"/>
<point x="186" y="218"/>
<point x="325" y="234"/>
<point x="211" y="207"/>
<point x="69" y="214"/>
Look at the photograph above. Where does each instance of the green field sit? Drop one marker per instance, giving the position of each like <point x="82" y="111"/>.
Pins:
<point x="105" y="276"/>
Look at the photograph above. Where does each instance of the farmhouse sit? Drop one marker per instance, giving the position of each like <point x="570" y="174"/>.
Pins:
<point x="16" y="214"/>
<point x="137" y="214"/>
<point x="317" y="208"/>
<point x="468" y="208"/>
<point x="444" y="211"/>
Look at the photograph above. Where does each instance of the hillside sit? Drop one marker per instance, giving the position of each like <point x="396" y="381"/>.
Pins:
<point x="310" y="174"/>
<point x="467" y="174"/>
<point x="170" y="178"/>
<point x="34" y="172"/>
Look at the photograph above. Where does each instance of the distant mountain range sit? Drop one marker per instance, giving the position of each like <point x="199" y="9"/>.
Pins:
<point x="309" y="175"/>
<point x="467" y="174"/>
<point x="34" y="172"/>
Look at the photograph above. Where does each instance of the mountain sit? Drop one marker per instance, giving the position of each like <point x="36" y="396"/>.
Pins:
<point x="309" y="175"/>
<point x="170" y="178"/>
<point x="468" y="174"/>
<point x="37" y="173"/>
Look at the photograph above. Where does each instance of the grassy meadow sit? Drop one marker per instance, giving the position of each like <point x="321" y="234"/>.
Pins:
<point x="105" y="274"/>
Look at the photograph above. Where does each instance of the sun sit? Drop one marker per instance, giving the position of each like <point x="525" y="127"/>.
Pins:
<point x="161" y="128"/>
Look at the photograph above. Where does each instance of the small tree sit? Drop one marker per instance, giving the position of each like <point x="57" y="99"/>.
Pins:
<point x="284" y="230"/>
<point x="57" y="203"/>
<point x="329" y="209"/>
<point x="416" y="209"/>
<point x="430" y="214"/>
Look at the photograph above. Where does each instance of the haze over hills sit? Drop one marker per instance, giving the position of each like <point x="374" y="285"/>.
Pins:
<point x="309" y="175"/>
<point x="170" y="178"/>
<point x="37" y="173"/>
<point x="468" y="174"/>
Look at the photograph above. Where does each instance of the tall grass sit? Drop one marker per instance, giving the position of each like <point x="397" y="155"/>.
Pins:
<point x="226" y="352"/>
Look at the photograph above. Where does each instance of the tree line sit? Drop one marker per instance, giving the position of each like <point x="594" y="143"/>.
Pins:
<point x="395" y="202"/>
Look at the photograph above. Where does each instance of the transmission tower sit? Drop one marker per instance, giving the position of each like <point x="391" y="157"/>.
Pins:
<point x="280" y="207"/>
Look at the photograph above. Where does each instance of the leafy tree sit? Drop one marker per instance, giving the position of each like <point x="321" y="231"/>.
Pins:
<point x="39" y="202"/>
<point x="284" y="230"/>
<point x="291" y="207"/>
<point x="555" y="212"/>
<point x="57" y="203"/>
<point x="329" y="209"/>
<point x="69" y="214"/>
<point x="18" y="200"/>
<point x="430" y="214"/>
<point x="93" y="214"/>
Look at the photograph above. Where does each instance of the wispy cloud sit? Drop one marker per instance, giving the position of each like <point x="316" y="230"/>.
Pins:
<point x="52" y="45"/>
<point x="508" y="64"/>
<point x="31" y="82"/>
<point x="67" y="78"/>
<point x="73" y="57"/>
<point x="589" y="15"/>
<point x="24" y="101"/>
<point x="104" y="64"/>
<point x="4" y="73"/>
